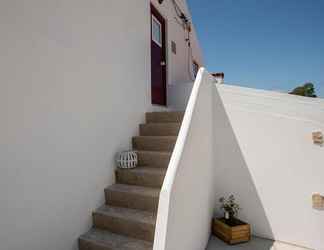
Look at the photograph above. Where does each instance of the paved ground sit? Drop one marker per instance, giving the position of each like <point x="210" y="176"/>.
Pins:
<point x="254" y="244"/>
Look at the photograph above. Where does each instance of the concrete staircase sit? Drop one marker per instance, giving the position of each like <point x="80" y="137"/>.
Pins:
<point x="127" y="220"/>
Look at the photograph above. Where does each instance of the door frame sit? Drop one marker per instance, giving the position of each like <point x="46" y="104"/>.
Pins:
<point x="155" y="12"/>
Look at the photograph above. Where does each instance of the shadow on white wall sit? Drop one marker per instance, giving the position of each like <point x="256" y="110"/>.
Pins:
<point x="233" y="175"/>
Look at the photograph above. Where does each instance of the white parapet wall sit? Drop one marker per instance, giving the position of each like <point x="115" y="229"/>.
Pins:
<point x="264" y="154"/>
<point x="266" y="157"/>
<point x="187" y="196"/>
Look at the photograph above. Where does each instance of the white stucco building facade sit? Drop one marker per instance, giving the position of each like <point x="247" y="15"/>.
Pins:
<point x="75" y="83"/>
<point x="76" y="80"/>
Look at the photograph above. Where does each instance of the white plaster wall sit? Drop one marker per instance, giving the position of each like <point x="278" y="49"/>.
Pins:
<point x="177" y="64"/>
<point x="187" y="197"/>
<point x="179" y="95"/>
<point x="265" y="156"/>
<point x="74" y="85"/>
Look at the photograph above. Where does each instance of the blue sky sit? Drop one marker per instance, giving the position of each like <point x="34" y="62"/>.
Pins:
<point x="267" y="44"/>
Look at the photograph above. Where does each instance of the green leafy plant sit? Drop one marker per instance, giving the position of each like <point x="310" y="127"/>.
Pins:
<point x="307" y="90"/>
<point x="229" y="207"/>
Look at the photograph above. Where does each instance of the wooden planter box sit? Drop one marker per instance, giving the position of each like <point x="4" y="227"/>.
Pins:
<point x="231" y="231"/>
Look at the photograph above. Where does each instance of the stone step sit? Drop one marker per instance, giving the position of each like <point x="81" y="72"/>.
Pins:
<point x="97" y="239"/>
<point x="154" y="159"/>
<point x="135" y="197"/>
<point x="159" y="129"/>
<point x="141" y="176"/>
<point x="154" y="143"/>
<point x="138" y="224"/>
<point x="164" y="117"/>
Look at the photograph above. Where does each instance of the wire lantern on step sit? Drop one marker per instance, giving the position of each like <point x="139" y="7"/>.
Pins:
<point x="127" y="159"/>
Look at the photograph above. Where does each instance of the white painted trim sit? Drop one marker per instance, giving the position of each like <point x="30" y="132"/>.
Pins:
<point x="154" y="19"/>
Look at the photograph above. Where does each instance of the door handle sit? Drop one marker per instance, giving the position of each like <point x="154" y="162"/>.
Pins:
<point x="163" y="63"/>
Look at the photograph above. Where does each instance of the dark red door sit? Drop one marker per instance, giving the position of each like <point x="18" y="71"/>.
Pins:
<point x="158" y="58"/>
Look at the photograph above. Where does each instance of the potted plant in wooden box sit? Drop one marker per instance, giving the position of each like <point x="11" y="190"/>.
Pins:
<point x="229" y="228"/>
